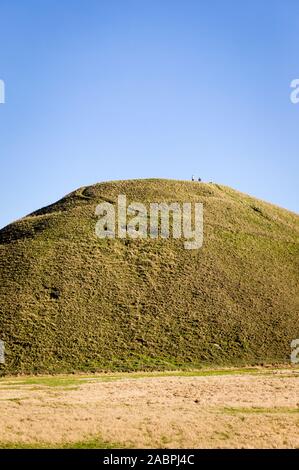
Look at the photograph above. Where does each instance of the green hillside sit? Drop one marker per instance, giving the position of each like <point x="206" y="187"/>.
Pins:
<point x="71" y="301"/>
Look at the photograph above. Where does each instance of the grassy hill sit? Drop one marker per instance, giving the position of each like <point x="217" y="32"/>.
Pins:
<point x="70" y="301"/>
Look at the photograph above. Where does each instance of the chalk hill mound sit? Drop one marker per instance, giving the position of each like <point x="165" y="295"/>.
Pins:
<point x="71" y="301"/>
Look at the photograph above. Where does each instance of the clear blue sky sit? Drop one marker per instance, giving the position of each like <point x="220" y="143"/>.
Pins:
<point x="117" y="89"/>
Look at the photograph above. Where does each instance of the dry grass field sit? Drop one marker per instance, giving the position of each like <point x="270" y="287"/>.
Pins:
<point x="229" y="408"/>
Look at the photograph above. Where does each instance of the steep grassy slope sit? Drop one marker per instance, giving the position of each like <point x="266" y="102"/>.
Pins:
<point x="70" y="301"/>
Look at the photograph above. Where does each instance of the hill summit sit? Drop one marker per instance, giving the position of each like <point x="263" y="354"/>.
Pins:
<point x="70" y="301"/>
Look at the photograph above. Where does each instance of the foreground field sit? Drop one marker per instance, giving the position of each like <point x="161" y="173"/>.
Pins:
<point x="207" y="409"/>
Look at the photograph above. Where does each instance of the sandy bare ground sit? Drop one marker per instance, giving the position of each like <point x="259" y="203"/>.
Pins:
<point x="235" y="411"/>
